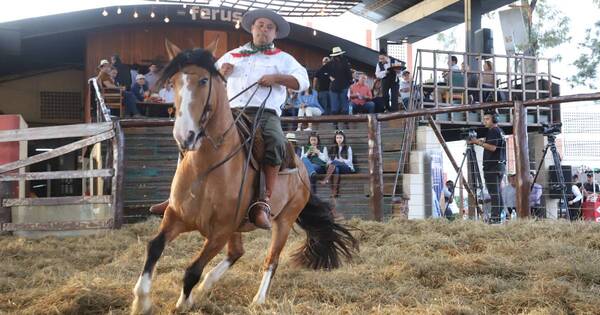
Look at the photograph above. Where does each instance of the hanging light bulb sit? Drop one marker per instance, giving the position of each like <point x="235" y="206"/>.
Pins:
<point x="237" y="24"/>
<point x="191" y="10"/>
<point x="119" y="11"/>
<point x="104" y="12"/>
<point x="166" y="19"/>
<point x="135" y="14"/>
<point x="152" y="15"/>
<point x="314" y="32"/>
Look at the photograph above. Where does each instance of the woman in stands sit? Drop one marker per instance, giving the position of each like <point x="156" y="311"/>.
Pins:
<point x="308" y="105"/>
<point x="340" y="162"/>
<point x="314" y="156"/>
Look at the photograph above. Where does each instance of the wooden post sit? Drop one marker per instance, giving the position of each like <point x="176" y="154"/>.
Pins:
<point x="375" y="167"/>
<point x="522" y="159"/>
<point x="117" y="180"/>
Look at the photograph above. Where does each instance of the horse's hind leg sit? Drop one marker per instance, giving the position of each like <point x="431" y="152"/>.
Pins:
<point x="280" y="232"/>
<point x="235" y="250"/>
<point x="193" y="273"/>
<point x="169" y="229"/>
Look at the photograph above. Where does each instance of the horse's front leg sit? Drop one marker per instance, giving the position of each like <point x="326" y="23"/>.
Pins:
<point x="193" y="272"/>
<point x="279" y="235"/>
<point x="170" y="227"/>
<point x="235" y="250"/>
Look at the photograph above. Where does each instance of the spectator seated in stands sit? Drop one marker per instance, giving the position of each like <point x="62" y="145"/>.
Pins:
<point x="114" y="75"/>
<point x="167" y="94"/>
<point x="308" y="105"/>
<point x="340" y="162"/>
<point x="314" y="155"/>
<point x="405" y="84"/>
<point x="315" y="158"/>
<point x="139" y="92"/>
<point x="104" y="78"/>
<point x="360" y="96"/>
<point x="378" y="99"/>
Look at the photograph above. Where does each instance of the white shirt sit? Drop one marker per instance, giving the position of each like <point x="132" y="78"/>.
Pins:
<point x="168" y="96"/>
<point x="249" y="69"/>
<point x="576" y="193"/>
<point x="404" y="85"/>
<point x="380" y="74"/>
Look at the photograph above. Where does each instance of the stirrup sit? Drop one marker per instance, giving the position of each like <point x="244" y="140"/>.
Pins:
<point x="266" y="207"/>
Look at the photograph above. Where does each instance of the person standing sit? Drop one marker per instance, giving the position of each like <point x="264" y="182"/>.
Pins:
<point x="389" y="81"/>
<point x="321" y="83"/>
<point x="575" y="198"/>
<point x="123" y="75"/>
<point x="494" y="161"/>
<point x="341" y="78"/>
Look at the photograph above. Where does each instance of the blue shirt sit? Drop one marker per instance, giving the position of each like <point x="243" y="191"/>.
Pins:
<point x="138" y="91"/>
<point x="310" y="100"/>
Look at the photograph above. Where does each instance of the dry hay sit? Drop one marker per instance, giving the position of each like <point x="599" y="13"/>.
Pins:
<point x="412" y="267"/>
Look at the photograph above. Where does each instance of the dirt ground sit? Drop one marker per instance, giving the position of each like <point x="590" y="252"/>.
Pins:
<point x="404" y="267"/>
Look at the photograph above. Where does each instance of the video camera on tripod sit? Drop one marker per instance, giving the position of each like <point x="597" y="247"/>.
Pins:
<point x="552" y="129"/>
<point x="468" y="134"/>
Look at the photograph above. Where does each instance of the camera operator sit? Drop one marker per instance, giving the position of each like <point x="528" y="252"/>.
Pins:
<point x="494" y="160"/>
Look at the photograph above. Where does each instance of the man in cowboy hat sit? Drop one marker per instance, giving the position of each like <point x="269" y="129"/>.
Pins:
<point x="341" y="78"/>
<point x="260" y="61"/>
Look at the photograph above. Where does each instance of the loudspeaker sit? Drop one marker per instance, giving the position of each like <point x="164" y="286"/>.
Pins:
<point x="554" y="191"/>
<point x="484" y="41"/>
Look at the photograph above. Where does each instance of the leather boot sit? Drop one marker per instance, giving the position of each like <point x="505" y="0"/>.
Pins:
<point x="260" y="213"/>
<point x="159" y="208"/>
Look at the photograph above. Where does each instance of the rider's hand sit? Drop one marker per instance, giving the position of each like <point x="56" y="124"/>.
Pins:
<point x="226" y="69"/>
<point x="267" y="80"/>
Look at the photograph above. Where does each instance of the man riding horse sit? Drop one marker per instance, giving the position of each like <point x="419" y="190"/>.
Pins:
<point x="260" y="61"/>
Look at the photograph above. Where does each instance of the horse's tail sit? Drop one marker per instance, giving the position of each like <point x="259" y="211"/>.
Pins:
<point x="326" y="240"/>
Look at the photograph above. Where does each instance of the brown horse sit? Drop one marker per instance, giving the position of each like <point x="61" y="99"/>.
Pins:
<point x="204" y="192"/>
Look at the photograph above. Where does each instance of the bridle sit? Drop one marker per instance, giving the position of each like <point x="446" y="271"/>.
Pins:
<point x="216" y="143"/>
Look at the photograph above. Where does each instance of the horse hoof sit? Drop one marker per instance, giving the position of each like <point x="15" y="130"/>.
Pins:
<point x="183" y="304"/>
<point x="258" y="300"/>
<point x="141" y="305"/>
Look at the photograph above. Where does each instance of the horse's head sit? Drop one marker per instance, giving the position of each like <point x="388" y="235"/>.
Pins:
<point x="193" y="74"/>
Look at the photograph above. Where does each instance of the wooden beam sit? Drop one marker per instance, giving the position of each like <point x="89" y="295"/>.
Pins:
<point x="54" y="132"/>
<point x="118" y="143"/>
<point x="58" y="175"/>
<point x="58" y="225"/>
<point x="56" y="152"/>
<point x="455" y="165"/>
<point x="56" y="201"/>
<point x="522" y="159"/>
<point x="375" y="167"/>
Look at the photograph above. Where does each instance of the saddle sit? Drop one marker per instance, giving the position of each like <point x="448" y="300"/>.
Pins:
<point x="257" y="151"/>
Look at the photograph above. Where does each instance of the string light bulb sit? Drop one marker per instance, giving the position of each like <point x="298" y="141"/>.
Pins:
<point x="184" y="5"/>
<point x="191" y="11"/>
<point x="152" y="15"/>
<point x="167" y="19"/>
<point x="237" y="24"/>
<point x="104" y="12"/>
<point x="135" y="14"/>
<point x="314" y="32"/>
<point x="119" y="11"/>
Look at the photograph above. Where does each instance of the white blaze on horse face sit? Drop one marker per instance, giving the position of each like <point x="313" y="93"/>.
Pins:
<point x="185" y="124"/>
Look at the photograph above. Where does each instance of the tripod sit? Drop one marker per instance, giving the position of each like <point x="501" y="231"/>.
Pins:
<point x="559" y="175"/>
<point x="474" y="176"/>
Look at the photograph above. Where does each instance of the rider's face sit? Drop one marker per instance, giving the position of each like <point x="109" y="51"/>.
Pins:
<point x="263" y="31"/>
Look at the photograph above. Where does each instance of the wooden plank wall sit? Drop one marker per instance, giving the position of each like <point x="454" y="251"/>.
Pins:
<point x="140" y="44"/>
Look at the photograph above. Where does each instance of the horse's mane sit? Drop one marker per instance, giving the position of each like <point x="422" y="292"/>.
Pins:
<point x="198" y="57"/>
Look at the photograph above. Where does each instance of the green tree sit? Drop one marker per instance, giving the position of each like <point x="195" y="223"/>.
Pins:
<point x="547" y="27"/>
<point x="588" y="62"/>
